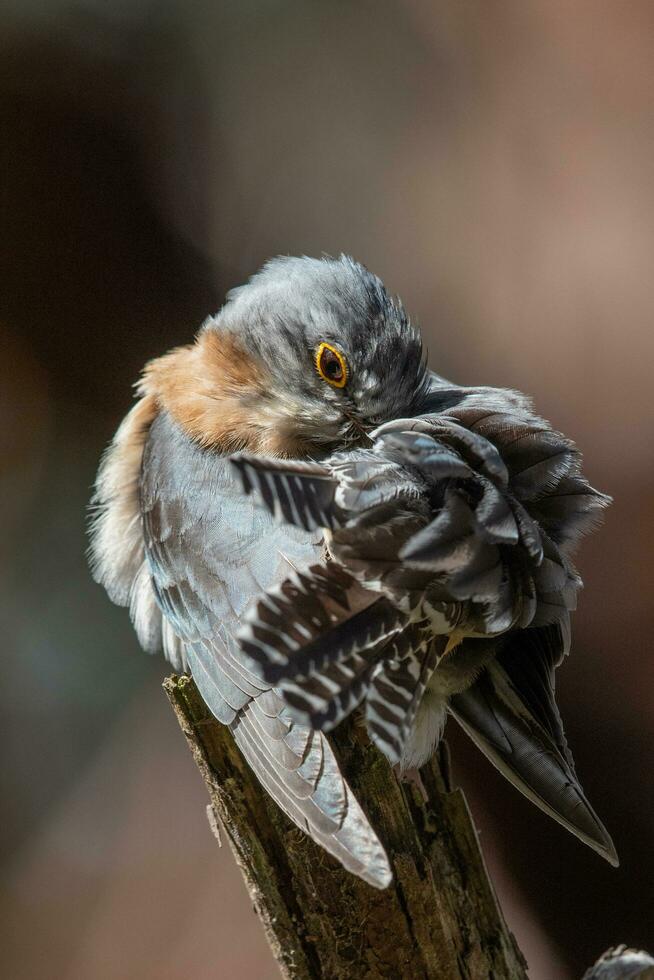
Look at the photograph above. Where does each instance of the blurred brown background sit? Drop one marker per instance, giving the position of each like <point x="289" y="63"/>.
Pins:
<point x="493" y="162"/>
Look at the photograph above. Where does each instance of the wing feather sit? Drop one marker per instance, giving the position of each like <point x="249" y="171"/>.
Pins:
<point x="511" y="715"/>
<point x="209" y="549"/>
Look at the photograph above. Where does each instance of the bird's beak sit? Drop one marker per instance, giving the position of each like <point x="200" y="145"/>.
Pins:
<point x="360" y="428"/>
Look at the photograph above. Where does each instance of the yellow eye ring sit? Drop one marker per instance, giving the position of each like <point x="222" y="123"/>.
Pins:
<point x="331" y="366"/>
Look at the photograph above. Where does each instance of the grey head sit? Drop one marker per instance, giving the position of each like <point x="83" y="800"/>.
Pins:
<point x="340" y="355"/>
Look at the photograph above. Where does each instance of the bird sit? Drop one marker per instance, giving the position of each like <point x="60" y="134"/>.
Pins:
<point x="621" y="963"/>
<point x="446" y="589"/>
<point x="309" y="521"/>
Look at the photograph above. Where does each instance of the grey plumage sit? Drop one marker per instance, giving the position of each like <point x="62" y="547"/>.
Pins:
<point x="209" y="549"/>
<point x="294" y="304"/>
<point x="456" y="523"/>
<point x="415" y="560"/>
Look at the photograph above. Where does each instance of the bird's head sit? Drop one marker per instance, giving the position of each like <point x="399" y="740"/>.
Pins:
<point x="309" y="355"/>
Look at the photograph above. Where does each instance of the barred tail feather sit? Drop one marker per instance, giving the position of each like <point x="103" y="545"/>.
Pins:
<point x="296" y="492"/>
<point x="312" y="619"/>
<point x="328" y="696"/>
<point x="396" y="691"/>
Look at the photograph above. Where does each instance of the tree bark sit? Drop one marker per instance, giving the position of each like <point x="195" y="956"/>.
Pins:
<point x="439" y="919"/>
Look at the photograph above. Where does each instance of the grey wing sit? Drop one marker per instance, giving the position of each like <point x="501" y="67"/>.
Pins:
<point x="210" y="548"/>
<point x="511" y="715"/>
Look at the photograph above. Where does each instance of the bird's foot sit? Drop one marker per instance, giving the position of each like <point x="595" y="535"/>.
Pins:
<point x="413" y="778"/>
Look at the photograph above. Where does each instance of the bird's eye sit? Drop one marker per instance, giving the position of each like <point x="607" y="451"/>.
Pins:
<point x="331" y="365"/>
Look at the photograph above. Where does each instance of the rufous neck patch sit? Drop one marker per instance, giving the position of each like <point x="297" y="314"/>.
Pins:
<point x="218" y="393"/>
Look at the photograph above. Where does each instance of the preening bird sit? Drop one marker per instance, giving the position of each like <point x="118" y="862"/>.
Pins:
<point x="309" y="521"/>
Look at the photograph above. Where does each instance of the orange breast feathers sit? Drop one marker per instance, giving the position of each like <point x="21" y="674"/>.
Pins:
<point x="220" y="395"/>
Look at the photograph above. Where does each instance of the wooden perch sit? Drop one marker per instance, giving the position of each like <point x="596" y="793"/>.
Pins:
<point x="439" y="919"/>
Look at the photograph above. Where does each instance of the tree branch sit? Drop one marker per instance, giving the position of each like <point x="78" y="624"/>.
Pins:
<point x="438" y="920"/>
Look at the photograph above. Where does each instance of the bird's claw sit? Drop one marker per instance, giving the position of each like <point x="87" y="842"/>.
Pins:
<point x="413" y="778"/>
